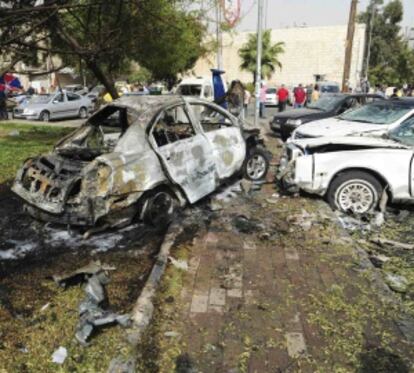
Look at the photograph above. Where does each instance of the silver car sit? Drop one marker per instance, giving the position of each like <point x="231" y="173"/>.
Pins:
<point x="54" y="106"/>
<point x="140" y="156"/>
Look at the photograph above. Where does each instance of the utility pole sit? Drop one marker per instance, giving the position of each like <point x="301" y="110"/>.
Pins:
<point x="349" y="45"/>
<point x="219" y="37"/>
<point x="258" y="60"/>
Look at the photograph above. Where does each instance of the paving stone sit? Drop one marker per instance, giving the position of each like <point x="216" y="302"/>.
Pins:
<point x="291" y="254"/>
<point x="234" y="293"/>
<point x="199" y="303"/>
<point x="211" y="238"/>
<point x="295" y="344"/>
<point x="216" y="309"/>
<point x="193" y="264"/>
<point x="217" y="297"/>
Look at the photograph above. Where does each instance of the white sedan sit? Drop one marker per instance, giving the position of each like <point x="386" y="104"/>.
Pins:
<point x="376" y="118"/>
<point x="353" y="172"/>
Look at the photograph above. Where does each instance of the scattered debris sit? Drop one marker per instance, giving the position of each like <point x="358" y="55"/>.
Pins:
<point x="90" y="309"/>
<point x="397" y="245"/>
<point x="274" y="199"/>
<point x="379" y="260"/>
<point x="180" y="264"/>
<point x="353" y="224"/>
<point x="246" y="186"/>
<point x="14" y="133"/>
<point x="79" y="275"/>
<point x="60" y="355"/>
<point x="172" y="334"/>
<point x="397" y="283"/>
<point x="245" y="225"/>
<point x="45" y="307"/>
<point x="304" y="220"/>
<point x="118" y="365"/>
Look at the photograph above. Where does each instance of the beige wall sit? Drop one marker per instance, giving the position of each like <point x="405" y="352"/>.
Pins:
<point x="308" y="51"/>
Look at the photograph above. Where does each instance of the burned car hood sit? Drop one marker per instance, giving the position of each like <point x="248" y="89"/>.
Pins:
<point x="349" y="141"/>
<point x="334" y="127"/>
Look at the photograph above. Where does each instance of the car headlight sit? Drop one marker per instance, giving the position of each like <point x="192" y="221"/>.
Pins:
<point x="294" y="122"/>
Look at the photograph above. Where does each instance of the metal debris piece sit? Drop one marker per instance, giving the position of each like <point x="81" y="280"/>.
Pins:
<point x="397" y="283"/>
<point x="246" y="225"/>
<point x="90" y="269"/>
<point x="60" y="355"/>
<point x="397" y="245"/>
<point x="91" y="311"/>
<point x="180" y="264"/>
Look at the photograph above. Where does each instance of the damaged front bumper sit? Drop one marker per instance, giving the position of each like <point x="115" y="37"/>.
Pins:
<point x="50" y="187"/>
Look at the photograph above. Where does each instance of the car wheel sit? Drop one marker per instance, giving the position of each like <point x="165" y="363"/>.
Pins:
<point x="159" y="208"/>
<point x="355" y="191"/>
<point x="83" y="113"/>
<point x="256" y="164"/>
<point x="44" y="116"/>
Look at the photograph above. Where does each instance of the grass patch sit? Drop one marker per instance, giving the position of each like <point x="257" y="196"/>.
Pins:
<point x="19" y="142"/>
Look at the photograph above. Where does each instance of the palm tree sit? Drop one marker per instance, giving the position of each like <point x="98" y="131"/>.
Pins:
<point x="270" y="55"/>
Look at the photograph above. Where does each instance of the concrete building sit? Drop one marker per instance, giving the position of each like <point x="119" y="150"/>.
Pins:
<point x="309" y="51"/>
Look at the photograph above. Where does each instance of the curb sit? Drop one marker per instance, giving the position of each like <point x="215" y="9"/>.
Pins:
<point x="143" y="310"/>
<point x="405" y="323"/>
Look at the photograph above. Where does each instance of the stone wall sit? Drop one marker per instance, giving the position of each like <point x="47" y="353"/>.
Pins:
<point x="308" y="51"/>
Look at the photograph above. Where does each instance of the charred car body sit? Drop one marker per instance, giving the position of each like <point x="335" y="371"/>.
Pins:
<point x="353" y="172"/>
<point x="140" y="156"/>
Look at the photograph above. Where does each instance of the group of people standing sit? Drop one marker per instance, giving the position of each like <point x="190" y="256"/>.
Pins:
<point x="300" y="97"/>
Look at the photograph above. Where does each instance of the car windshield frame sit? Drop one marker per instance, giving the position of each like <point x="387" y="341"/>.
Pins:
<point x="41" y="99"/>
<point x="332" y="102"/>
<point x="377" y="110"/>
<point x="395" y="134"/>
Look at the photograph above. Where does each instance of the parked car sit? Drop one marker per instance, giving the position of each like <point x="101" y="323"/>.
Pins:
<point x="377" y="117"/>
<point x="57" y="105"/>
<point x="140" y="156"/>
<point x="353" y="172"/>
<point x="196" y="87"/>
<point x="328" y="87"/>
<point x="326" y="107"/>
<point x="271" y="97"/>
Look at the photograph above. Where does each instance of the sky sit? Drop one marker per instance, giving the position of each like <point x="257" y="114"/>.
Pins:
<point x="284" y="13"/>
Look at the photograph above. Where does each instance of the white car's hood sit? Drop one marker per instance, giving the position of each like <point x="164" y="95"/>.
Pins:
<point x="337" y="128"/>
<point x="357" y="141"/>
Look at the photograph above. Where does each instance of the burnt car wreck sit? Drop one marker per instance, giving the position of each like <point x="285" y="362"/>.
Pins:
<point x="140" y="157"/>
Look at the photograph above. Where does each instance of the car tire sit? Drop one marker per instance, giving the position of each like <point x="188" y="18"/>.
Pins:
<point x="83" y="112"/>
<point x="256" y="164"/>
<point x="44" y="116"/>
<point x="159" y="207"/>
<point x="355" y="191"/>
<point x="283" y="136"/>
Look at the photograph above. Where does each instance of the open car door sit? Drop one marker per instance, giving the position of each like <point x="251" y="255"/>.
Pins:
<point x="185" y="153"/>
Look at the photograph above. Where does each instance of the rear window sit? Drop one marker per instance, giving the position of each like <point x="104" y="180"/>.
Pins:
<point x="330" y="89"/>
<point x="271" y="90"/>
<point x="189" y="90"/>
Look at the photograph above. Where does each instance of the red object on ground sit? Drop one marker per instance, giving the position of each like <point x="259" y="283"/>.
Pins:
<point x="283" y="94"/>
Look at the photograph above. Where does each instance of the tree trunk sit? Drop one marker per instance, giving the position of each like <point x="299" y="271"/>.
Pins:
<point x="99" y="74"/>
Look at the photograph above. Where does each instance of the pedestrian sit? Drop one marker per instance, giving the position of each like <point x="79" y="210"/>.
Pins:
<point x="309" y="92"/>
<point x="300" y="97"/>
<point x="315" y="94"/>
<point x="395" y="93"/>
<point x="247" y="97"/>
<point x="3" y="105"/>
<point x="283" y="96"/>
<point x="379" y="91"/>
<point x="30" y="91"/>
<point x="262" y="99"/>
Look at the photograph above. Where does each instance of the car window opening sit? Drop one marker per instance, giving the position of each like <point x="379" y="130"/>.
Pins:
<point x="172" y="125"/>
<point x="209" y="118"/>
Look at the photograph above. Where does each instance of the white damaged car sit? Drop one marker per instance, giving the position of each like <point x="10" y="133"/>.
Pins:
<point x="353" y="172"/>
<point x="376" y="118"/>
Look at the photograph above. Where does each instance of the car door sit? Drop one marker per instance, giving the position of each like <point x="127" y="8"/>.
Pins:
<point x="184" y="151"/>
<point x="74" y="102"/>
<point x="58" y="106"/>
<point x="228" y="145"/>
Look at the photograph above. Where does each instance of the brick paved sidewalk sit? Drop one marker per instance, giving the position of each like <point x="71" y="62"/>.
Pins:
<point x="274" y="285"/>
